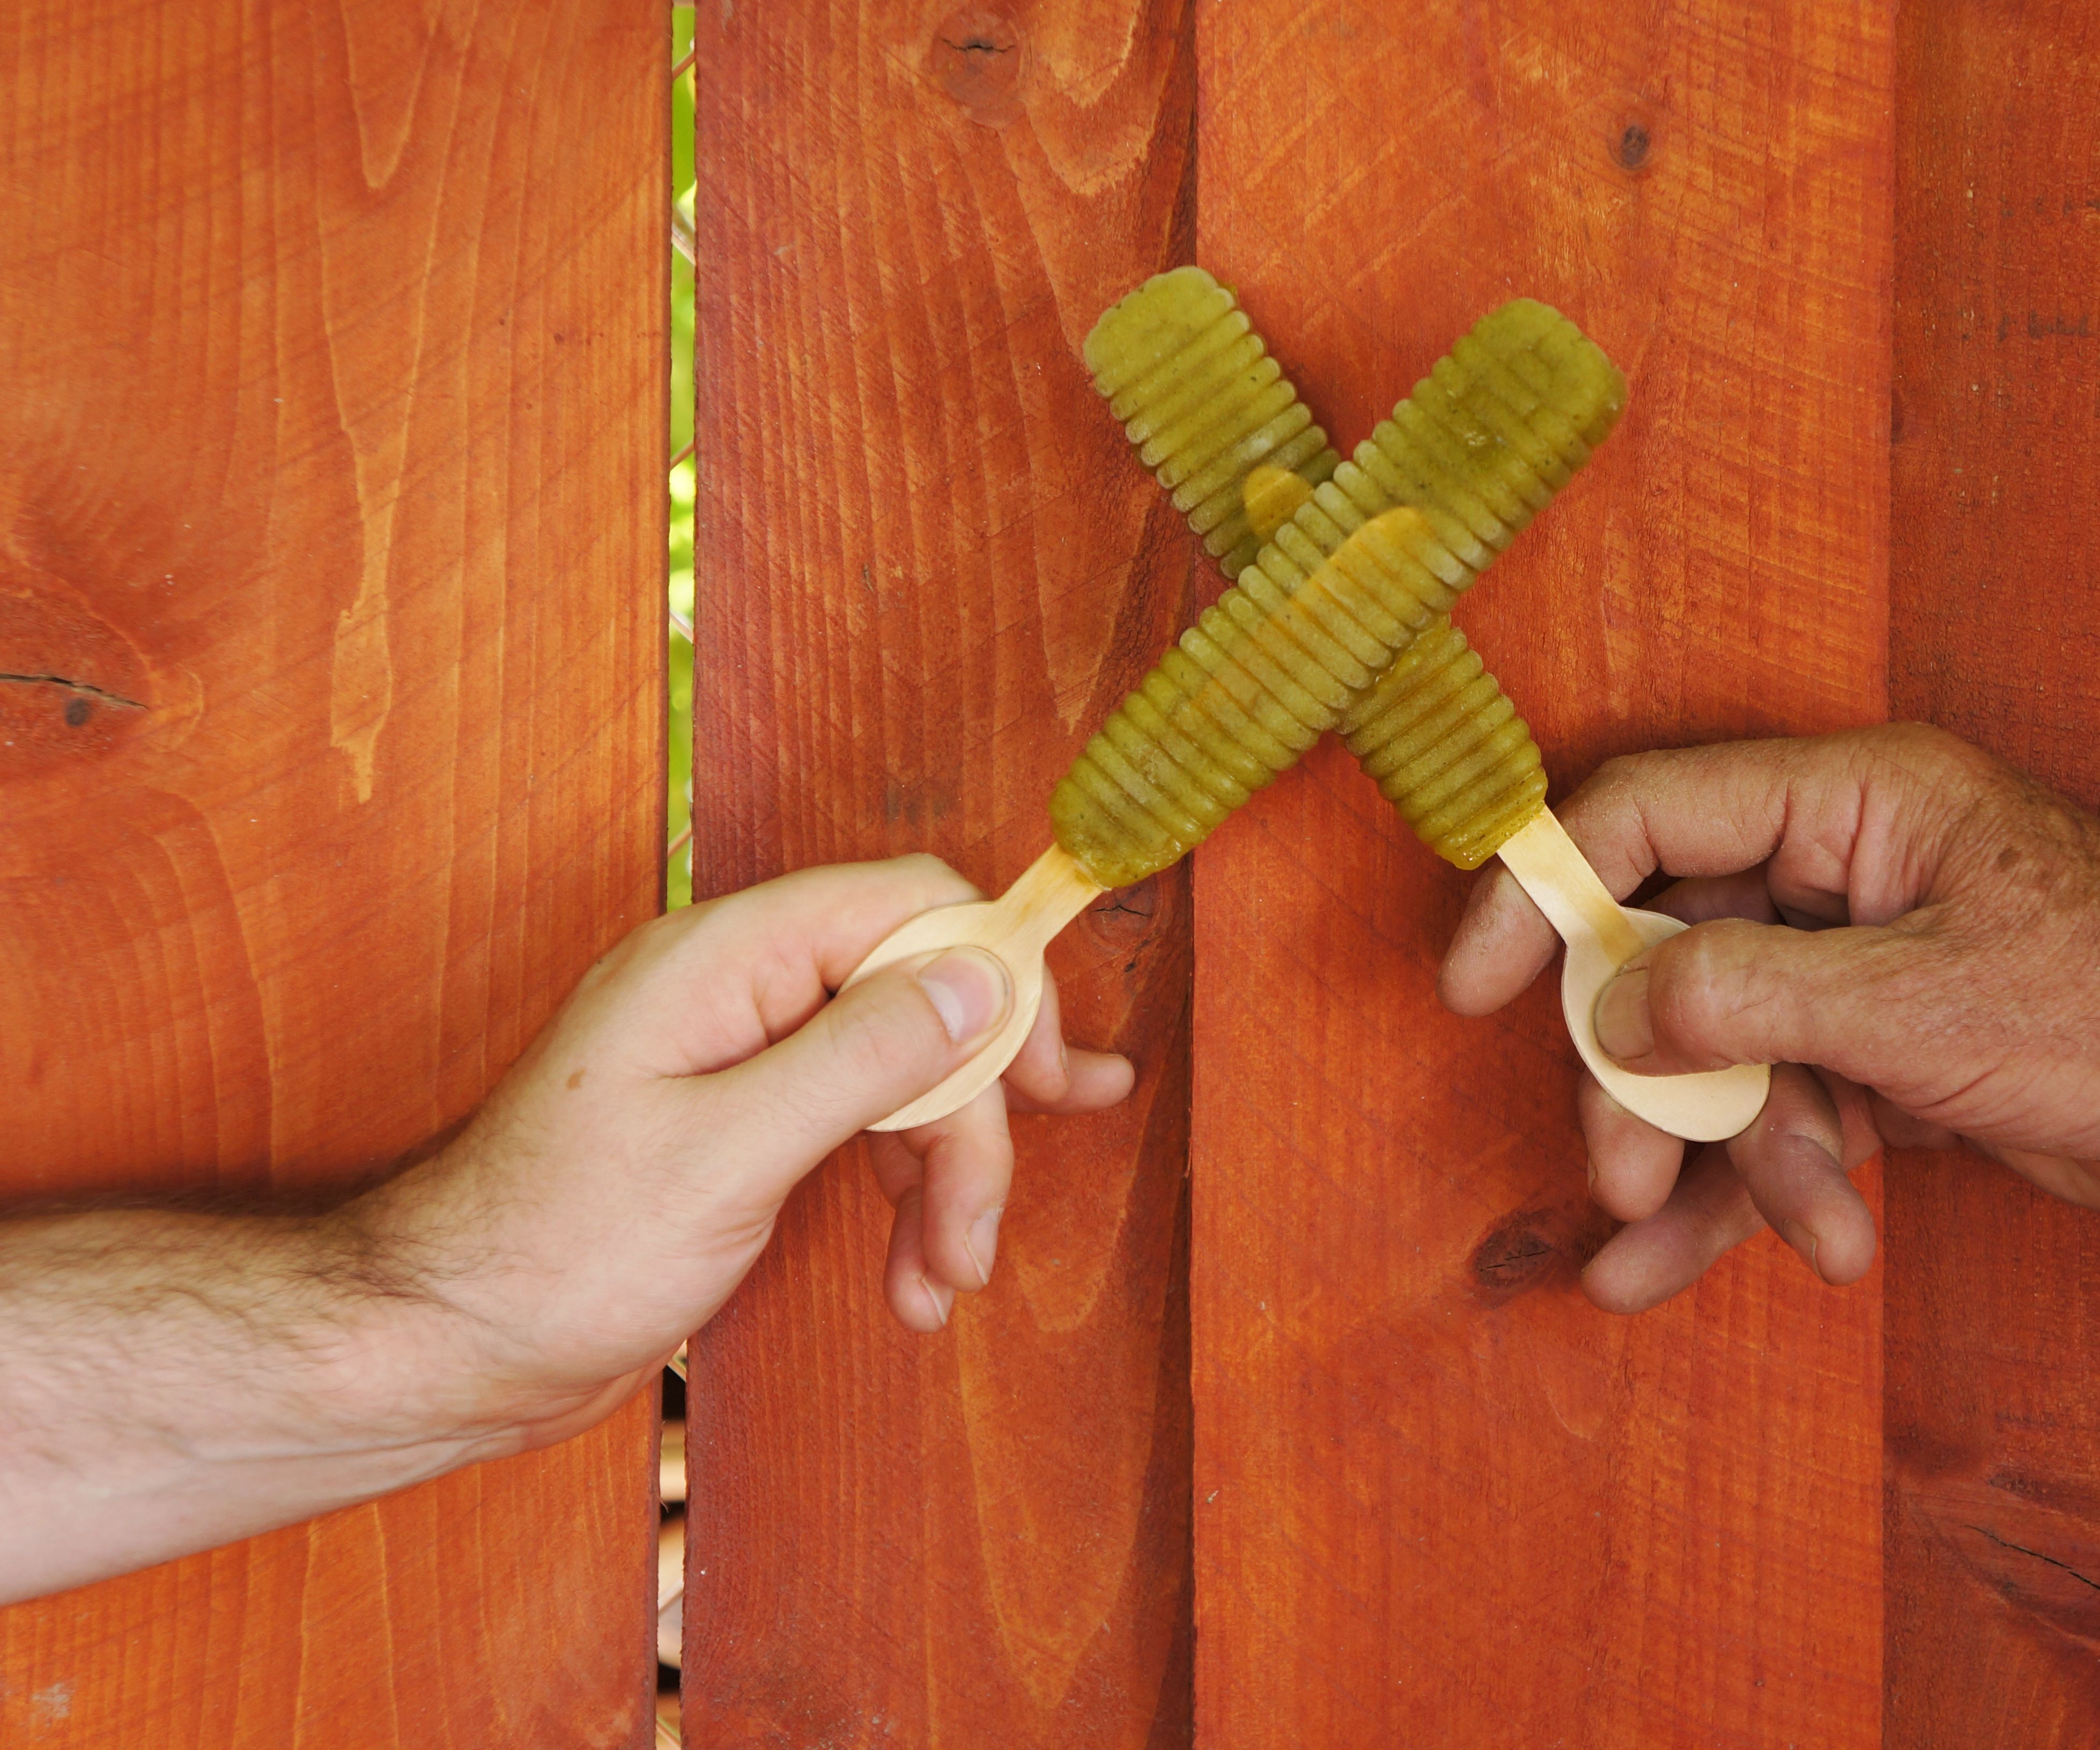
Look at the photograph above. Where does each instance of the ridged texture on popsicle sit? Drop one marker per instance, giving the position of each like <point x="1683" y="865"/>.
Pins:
<point x="1447" y="748"/>
<point x="1431" y="497"/>
<point x="1253" y="684"/>
<point x="1212" y="414"/>
<point x="1497" y="428"/>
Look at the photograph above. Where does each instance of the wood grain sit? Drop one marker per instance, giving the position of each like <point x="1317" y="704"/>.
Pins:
<point x="926" y="569"/>
<point x="1993" y="1414"/>
<point x="1440" y="1500"/>
<point x="331" y="520"/>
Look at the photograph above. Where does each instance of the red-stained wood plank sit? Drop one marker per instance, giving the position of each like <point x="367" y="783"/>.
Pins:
<point x="334" y="348"/>
<point x="1438" y="1500"/>
<point x="1993" y="1412"/>
<point x="927" y="567"/>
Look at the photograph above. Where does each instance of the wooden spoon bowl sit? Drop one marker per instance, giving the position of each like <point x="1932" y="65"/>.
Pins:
<point x="1016" y="927"/>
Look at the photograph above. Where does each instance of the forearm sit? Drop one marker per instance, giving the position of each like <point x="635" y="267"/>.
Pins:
<point x="170" y="1382"/>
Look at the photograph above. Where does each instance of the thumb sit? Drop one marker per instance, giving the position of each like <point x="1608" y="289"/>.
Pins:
<point x="869" y="1050"/>
<point x="1855" y="1000"/>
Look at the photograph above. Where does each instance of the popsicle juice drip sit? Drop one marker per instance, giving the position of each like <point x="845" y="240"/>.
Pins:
<point x="1369" y="559"/>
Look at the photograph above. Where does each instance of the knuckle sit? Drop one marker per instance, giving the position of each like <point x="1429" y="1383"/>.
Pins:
<point x="635" y="953"/>
<point x="1630" y="783"/>
<point x="943" y="879"/>
<point x="1914" y="738"/>
<point x="1611" y="809"/>
<point x="1798" y="1109"/>
<point x="923" y="865"/>
<point x="922" y="878"/>
<point x="1620" y="773"/>
<point x="1927" y="753"/>
<point x="704" y="931"/>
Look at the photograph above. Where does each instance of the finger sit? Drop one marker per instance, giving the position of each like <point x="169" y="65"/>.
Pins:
<point x="919" y="1303"/>
<point x="1901" y="1129"/>
<point x="968" y="1168"/>
<point x="1645" y="1263"/>
<point x="1502" y="943"/>
<point x="1699" y="899"/>
<point x="1735" y="992"/>
<point x="833" y="915"/>
<point x="1042" y="1067"/>
<point x="1716" y="812"/>
<point x="1790" y="1160"/>
<point x="1749" y="893"/>
<point x="1817" y="810"/>
<point x="2075" y="1180"/>
<point x="870" y="1050"/>
<point x="896" y="1165"/>
<point x="714" y="983"/>
<point x="1719" y="810"/>
<point x="1855" y="1118"/>
<point x="1094" y="1080"/>
<point x="1048" y="1076"/>
<point x="1633" y="1165"/>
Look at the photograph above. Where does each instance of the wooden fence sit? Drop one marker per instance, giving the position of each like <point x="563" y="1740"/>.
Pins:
<point x="1284" y="1424"/>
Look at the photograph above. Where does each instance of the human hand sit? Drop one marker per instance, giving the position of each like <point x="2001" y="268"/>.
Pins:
<point x="625" y="1176"/>
<point x="1908" y="927"/>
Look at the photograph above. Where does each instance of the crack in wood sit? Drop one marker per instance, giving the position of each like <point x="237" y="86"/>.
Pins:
<point x="2006" y="1543"/>
<point x="73" y="686"/>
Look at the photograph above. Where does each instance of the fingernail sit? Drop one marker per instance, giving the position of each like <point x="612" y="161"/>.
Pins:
<point x="967" y="989"/>
<point x="1625" y="1028"/>
<point x="1804" y="1241"/>
<point x="934" y="1300"/>
<point x="981" y="1243"/>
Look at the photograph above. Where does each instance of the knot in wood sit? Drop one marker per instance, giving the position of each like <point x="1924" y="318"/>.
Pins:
<point x="1531" y="1249"/>
<point x="976" y="58"/>
<point x="72" y="687"/>
<point x="1632" y="149"/>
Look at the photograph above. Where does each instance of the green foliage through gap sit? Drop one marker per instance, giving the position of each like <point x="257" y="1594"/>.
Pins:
<point x="679" y="878"/>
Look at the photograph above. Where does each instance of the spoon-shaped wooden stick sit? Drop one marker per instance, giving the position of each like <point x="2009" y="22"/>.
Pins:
<point x="1602" y="935"/>
<point x="1016" y="926"/>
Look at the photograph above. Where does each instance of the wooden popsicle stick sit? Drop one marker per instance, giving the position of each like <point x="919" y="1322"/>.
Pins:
<point x="1016" y="926"/>
<point x="1551" y="868"/>
<point x="1602" y="935"/>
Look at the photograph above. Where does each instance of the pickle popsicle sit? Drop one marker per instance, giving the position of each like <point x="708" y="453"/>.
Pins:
<point x="1369" y="557"/>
